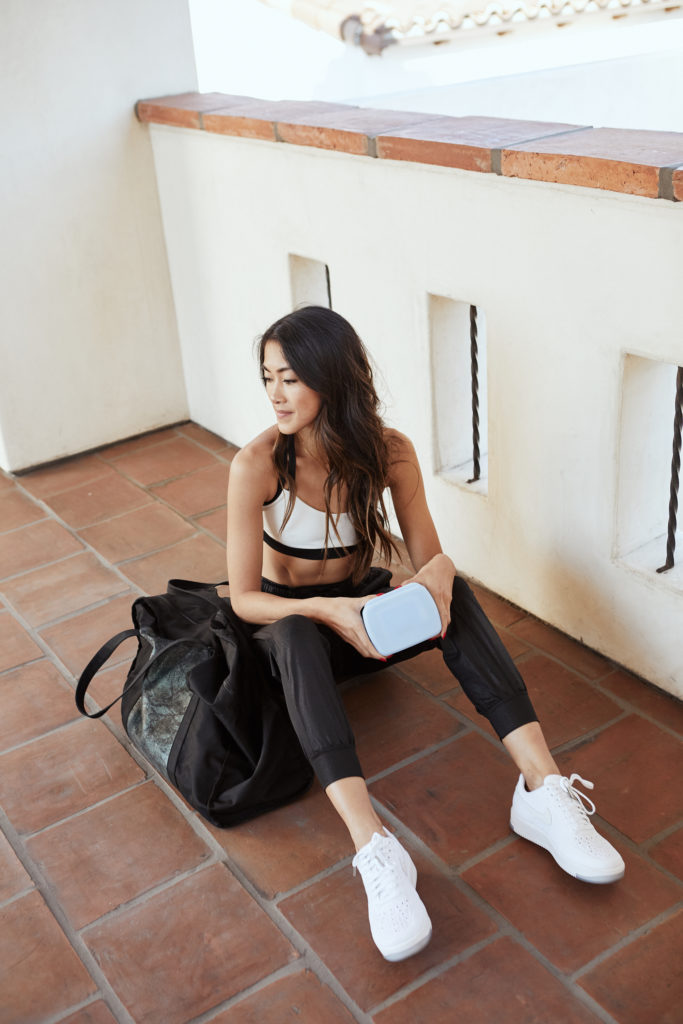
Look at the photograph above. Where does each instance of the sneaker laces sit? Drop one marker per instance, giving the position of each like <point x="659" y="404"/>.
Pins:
<point x="582" y="805"/>
<point x="379" y="875"/>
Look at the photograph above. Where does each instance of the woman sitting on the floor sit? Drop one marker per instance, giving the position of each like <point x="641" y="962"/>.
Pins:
<point x="307" y="515"/>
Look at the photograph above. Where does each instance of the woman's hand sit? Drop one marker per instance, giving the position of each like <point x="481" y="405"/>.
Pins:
<point x="437" y="576"/>
<point x="343" y="615"/>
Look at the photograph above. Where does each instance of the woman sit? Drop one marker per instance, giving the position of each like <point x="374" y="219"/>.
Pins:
<point x="307" y="516"/>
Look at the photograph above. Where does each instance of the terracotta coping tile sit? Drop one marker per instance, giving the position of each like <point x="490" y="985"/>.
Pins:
<point x="644" y="163"/>
<point x="185" y="109"/>
<point x="350" y="129"/>
<point x="257" y="119"/>
<point x="470" y="143"/>
<point x="618" y="159"/>
<point x="677" y="181"/>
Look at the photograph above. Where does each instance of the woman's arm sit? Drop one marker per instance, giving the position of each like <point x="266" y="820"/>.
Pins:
<point x="250" y="485"/>
<point x="434" y="569"/>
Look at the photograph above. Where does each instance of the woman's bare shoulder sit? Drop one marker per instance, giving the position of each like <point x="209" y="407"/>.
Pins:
<point x="399" y="445"/>
<point x="404" y="468"/>
<point x="253" y="466"/>
<point x="260" y="448"/>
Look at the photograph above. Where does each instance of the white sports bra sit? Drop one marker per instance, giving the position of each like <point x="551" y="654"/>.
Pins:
<point x="304" y="534"/>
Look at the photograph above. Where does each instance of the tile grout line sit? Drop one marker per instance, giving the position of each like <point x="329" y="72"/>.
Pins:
<point x="98" y="454"/>
<point x="576" y="993"/>
<point x="659" y="837"/>
<point x="269" y="906"/>
<point x="159" y="499"/>
<point x="49" y="654"/>
<point x="52" y="731"/>
<point x="511" y="931"/>
<point x="27" y="837"/>
<point x="591" y="734"/>
<point x="76" y="1008"/>
<point x="633" y="709"/>
<point x="535" y="650"/>
<point x="297" y="966"/>
<point x="97" y="451"/>
<point x="39" y="658"/>
<point x="306" y="952"/>
<point x="220" y="856"/>
<point x="434" y="972"/>
<point x="72" y="936"/>
<point x="319" y="876"/>
<point x="405" y="762"/>
<point x="41" y="565"/>
<point x="19" y="895"/>
<point x="66" y="677"/>
<point x="51" y="514"/>
<point x="88" y="547"/>
<point x="627" y="940"/>
<point x="102" y="603"/>
<point x="22" y="526"/>
<point x="148" y="894"/>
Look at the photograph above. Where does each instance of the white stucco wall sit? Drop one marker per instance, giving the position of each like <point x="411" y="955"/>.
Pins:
<point x="88" y="347"/>
<point x="569" y="280"/>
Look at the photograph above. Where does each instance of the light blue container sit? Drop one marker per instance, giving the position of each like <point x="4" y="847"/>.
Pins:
<point x="401" y="618"/>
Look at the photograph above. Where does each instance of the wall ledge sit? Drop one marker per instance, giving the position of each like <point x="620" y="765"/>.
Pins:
<point x="641" y="163"/>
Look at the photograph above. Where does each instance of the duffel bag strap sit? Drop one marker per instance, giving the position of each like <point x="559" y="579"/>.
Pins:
<point x="92" y="668"/>
<point x="191" y="586"/>
<point x="105" y="652"/>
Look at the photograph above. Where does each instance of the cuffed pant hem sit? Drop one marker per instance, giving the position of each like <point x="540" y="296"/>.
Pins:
<point x="332" y="765"/>
<point x="511" y="714"/>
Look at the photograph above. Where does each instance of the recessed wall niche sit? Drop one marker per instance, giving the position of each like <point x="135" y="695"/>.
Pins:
<point x="457" y="333"/>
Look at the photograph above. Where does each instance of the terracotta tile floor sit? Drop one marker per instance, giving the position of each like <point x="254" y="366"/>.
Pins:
<point x="117" y="903"/>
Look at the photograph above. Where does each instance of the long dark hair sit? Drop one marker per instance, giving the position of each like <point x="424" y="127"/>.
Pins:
<point x="324" y="351"/>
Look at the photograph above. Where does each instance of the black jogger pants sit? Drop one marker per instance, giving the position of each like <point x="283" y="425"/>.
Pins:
<point x="309" y="660"/>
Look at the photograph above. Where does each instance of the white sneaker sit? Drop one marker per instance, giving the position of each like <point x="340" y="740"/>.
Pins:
<point x="399" y="923"/>
<point x="556" y="817"/>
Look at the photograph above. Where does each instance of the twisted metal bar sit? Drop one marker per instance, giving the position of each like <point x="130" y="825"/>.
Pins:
<point x="474" y="360"/>
<point x="329" y="286"/>
<point x="675" y="470"/>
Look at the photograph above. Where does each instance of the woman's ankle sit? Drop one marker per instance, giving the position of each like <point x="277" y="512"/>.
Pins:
<point x="529" y="750"/>
<point x="351" y="800"/>
<point x="363" y="835"/>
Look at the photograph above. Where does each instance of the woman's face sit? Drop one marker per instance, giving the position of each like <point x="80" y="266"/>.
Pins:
<point x="296" y="405"/>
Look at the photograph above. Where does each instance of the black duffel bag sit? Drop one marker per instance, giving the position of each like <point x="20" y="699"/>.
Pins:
<point x="201" y="709"/>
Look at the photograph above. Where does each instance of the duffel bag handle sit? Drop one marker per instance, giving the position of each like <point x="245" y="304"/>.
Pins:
<point x="93" y="667"/>
<point x="105" y="652"/>
<point x="191" y="586"/>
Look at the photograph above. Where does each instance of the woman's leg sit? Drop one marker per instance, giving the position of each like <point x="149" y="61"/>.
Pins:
<point x="527" y="747"/>
<point x="546" y="807"/>
<point x="304" y="660"/>
<point x="477" y="657"/>
<point x="351" y="801"/>
<point x="300" y="656"/>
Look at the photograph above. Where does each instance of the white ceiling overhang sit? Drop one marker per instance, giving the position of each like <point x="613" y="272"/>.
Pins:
<point x="376" y="24"/>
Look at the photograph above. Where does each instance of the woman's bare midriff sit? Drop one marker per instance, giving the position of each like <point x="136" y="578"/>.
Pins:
<point x="304" y="572"/>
